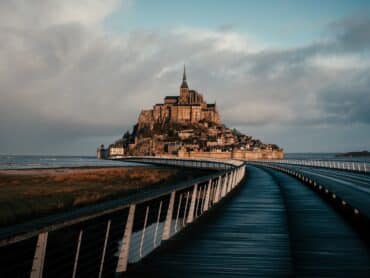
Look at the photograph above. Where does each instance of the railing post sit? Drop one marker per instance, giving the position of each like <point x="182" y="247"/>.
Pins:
<point x="190" y="217"/>
<point x="77" y="254"/>
<point x="203" y="198"/>
<point x="229" y="182"/>
<point x="143" y="232"/>
<point x="233" y="177"/>
<point x="156" y="226"/>
<point x="125" y="246"/>
<point x="206" y="200"/>
<point x="39" y="257"/>
<point x="178" y="211"/>
<point x="224" y="185"/>
<point x="167" y="224"/>
<point x="104" y="249"/>
<point x="217" y="190"/>
<point x="186" y="208"/>
<point x="198" y="202"/>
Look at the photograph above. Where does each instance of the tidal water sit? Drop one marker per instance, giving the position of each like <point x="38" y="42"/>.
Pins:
<point x="324" y="156"/>
<point x="44" y="161"/>
<point x="37" y="161"/>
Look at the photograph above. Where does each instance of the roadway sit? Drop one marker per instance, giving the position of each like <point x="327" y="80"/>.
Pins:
<point x="274" y="226"/>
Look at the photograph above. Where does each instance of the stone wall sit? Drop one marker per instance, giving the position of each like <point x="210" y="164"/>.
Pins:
<point x="239" y="154"/>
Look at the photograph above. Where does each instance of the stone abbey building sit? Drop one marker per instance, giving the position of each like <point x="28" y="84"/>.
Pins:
<point x="188" y="107"/>
<point x="187" y="126"/>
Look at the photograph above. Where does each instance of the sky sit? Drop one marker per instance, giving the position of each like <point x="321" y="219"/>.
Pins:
<point x="76" y="73"/>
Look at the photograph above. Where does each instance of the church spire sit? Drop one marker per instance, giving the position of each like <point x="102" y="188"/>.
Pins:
<point x="184" y="84"/>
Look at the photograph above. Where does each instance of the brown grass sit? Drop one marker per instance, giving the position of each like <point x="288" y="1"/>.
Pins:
<point x="26" y="194"/>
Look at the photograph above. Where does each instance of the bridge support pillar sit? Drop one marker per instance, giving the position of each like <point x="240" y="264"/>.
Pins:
<point x="125" y="247"/>
<point x="39" y="257"/>
<point x="167" y="224"/>
<point x="192" y="205"/>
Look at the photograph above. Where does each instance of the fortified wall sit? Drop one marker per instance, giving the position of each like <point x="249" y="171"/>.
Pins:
<point x="237" y="154"/>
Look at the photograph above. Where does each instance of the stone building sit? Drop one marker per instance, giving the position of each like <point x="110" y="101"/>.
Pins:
<point x="188" y="107"/>
<point x="187" y="126"/>
<point x="116" y="151"/>
<point x="102" y="153"/>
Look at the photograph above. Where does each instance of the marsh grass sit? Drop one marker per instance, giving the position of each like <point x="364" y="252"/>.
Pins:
<point x="30" y="194"/>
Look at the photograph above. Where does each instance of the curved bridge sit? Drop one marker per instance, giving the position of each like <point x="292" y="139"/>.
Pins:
<point x="277" y="219"/>
<point x="281" y="223"/>
<point x="103" y="240"/>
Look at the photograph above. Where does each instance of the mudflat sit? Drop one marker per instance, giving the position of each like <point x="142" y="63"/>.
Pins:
<point x="31" y="193"/>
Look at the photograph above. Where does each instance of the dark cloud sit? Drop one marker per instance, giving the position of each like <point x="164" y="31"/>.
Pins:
<point x="347" y="103"/>
<point x="65" y="78"/>
<point x="352" y="34"/>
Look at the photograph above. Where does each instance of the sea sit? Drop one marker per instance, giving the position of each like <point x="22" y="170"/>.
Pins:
<point x="52" y="161"/>
<point x="325" y="156"/>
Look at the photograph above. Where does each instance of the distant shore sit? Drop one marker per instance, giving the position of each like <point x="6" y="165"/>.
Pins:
<point x="30" y="193"/>
<point x="354" y="154"/>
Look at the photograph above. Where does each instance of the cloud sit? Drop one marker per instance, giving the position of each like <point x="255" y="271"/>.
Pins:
<point x="353" y="33"/>
<point x="63" y="75"/>
<point x="340" y="107"/>
<point x="21" y="14"/>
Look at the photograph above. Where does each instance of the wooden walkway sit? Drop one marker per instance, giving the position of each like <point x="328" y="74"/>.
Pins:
<point x="273" y="227"/>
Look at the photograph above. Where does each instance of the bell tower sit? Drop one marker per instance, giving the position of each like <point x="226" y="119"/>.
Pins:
<point x="184" y="89"/>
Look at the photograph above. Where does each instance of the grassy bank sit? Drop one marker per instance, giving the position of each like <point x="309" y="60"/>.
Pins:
<point x="27" y="194"/>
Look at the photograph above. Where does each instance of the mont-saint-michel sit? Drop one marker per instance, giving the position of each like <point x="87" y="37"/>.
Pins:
<point x="185" y="125"/>
<point x="117" y="161"/>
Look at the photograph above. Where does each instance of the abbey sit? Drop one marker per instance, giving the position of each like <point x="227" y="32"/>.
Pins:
<point x="187" y="126"/>
<point x="188" y="107"/>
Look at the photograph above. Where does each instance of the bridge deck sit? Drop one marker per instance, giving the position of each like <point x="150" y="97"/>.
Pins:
<point x="274" y="226"/>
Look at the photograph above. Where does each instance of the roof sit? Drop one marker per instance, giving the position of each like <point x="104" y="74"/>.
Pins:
<point x="184" y="84"/>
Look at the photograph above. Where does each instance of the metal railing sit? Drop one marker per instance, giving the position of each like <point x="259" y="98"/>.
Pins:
<point x="355" y="166"/>
<point x="104" y="241"/>
<point x="183" y="162"/>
